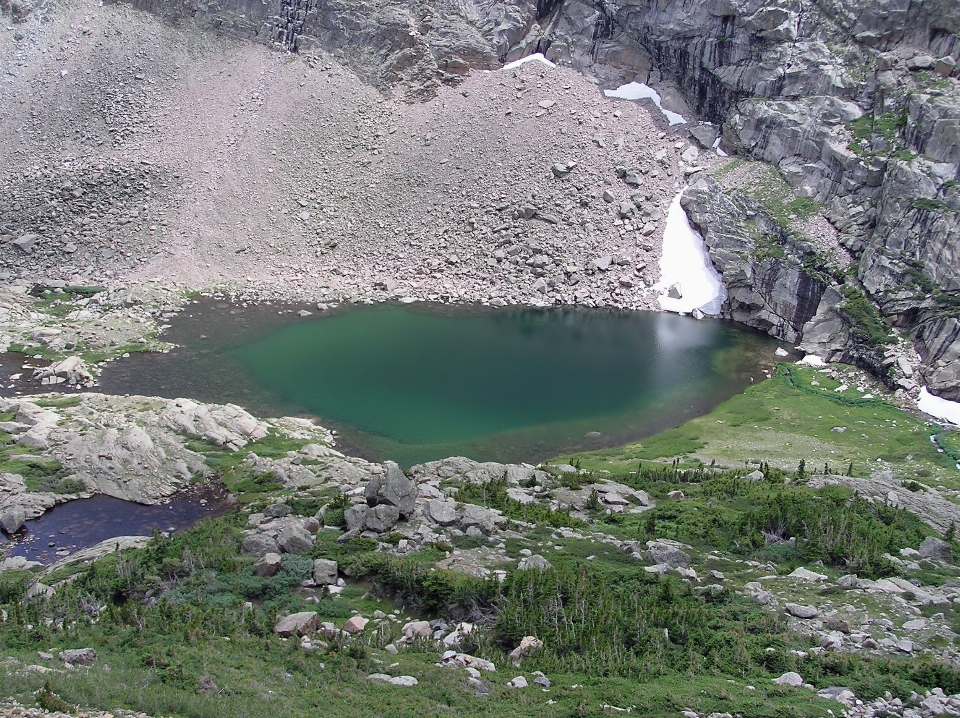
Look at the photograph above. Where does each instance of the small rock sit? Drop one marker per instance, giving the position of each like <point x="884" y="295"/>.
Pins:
<point x="518" y="682"/>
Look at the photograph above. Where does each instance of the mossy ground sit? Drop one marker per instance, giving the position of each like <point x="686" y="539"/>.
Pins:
<point x="785" y="420"/>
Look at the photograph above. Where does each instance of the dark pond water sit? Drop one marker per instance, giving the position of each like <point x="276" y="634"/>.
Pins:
<point x="79" y="524"/>
<point x="419" y="382"/>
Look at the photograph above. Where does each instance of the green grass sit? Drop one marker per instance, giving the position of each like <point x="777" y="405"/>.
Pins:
<point x="780" y="201"/>
<point x="63" y="403"/>
<point x="785" y="419"/>
<point x="868" y="325"/>
<point x="614" y="635"/>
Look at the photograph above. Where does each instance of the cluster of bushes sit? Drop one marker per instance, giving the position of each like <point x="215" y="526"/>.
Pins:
<point x="493" y="495"/>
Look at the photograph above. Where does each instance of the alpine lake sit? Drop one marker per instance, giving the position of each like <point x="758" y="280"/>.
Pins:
<point x="420" y="382"/>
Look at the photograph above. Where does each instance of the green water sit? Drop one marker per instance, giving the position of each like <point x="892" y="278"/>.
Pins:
<point x="415" y="383"/>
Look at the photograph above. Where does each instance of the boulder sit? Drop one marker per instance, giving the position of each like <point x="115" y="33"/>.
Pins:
<point x="534" y="562"/>
<point x="12" y="519"/>
<point x="392" y="488"/>
<point x="789" y="679"/>
<point x="405" y="681"/>
<point x="807" y="575"/>
<point x="932" y="547"/>
<point x="484" y="519"/>
<point x="416" y="629"/>
<point x="442" y="512"/>
<point x="381" y="518"/>
<point x="297" y="624"/>
<point x="258" y="545"/>
<point x="355" y="625"/>
<point x="276" y="511"/>
<point x="659" y="552"/>
<point x="26" y="242"/>
<point x="356" y="517"/>
<point x="518" y="682"/>
<point x="325" y="572"/>
<point x="79" y="656"/>
<point x="268" y="565"/>
<point x="295" y="539"/>
<point x="795" y="609"/>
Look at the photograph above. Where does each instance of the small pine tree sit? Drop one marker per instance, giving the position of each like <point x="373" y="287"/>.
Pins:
<point x="850" y="469"/>
<point x="801" y="470"/>
<point x="951" y="534"/>
<point x="593" y="503"/>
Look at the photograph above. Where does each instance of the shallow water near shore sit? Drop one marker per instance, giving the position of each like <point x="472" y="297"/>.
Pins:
<point x="75" y="525"/>
<point x="419" y="382"/>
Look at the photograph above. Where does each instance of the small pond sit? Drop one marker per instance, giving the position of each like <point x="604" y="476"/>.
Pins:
<point x="76" y="525"/>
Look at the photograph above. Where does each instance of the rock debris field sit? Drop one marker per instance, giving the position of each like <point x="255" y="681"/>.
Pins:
<point x="138" y="151"/>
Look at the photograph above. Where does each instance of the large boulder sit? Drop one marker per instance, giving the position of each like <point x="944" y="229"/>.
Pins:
<point x="392" y="488"/>
<point x="258" y="545"/>
<point x="297" y="624"/>
<point x="295" y="539"/>
<point x="79" y="656"/>
<point x="442" y="512"/>
<point x="325" y="572"/>
<point x="485" y="519"/>
<point x="937" y="549"/>
<point x="12" y="519"/>
<point x="382" y="518"/>
<point x="379" y="518"/>
<point x="268" y="565"/>
<point x="660" y="552"/>
<point x="356" y="517"/>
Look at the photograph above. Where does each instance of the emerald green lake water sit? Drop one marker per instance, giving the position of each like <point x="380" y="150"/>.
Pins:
<point x="420" y="382"/>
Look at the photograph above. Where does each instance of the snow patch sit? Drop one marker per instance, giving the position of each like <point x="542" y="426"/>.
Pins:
<point x="684" y="261"/>
<point x="943" y="409"/>
<point x="812" y="360"/>
<point x="639" y="91"/>
<point x="716" y="146"/>
<point x="538" y="56"/>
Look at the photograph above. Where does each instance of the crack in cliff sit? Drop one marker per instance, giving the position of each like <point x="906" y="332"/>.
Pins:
<point x="288" y="25"/>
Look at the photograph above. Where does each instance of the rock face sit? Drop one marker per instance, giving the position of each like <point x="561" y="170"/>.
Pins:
<point x="762" y="266"/>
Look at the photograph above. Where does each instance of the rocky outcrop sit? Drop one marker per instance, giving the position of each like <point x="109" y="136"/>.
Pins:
<point x="762" y="266"/>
